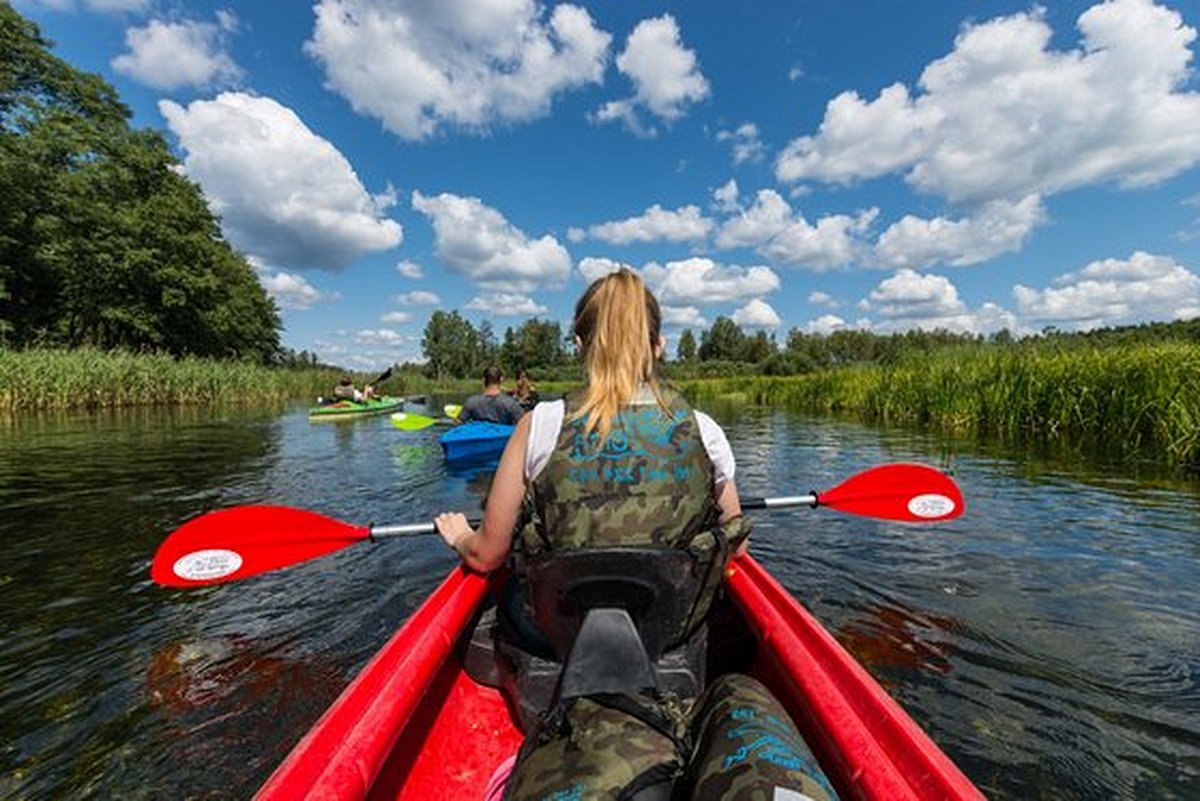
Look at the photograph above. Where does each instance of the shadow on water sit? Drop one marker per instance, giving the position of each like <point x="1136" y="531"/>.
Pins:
<point x="1049" y="639"/>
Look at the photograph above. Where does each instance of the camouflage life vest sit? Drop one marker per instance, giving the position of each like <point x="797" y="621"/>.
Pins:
<point x="649" y="484"/>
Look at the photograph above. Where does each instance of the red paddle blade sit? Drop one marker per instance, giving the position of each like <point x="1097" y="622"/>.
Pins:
<point x="232" y="544"/>
<point x="910" y="492"/>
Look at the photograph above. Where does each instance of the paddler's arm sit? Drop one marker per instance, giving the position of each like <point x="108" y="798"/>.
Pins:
<point x="731" y="507"/>
<point x="487" y="547"/>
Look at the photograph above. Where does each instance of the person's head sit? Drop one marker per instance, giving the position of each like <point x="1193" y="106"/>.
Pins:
<point x="492" y="376"/>
<point x="345" y="382"/>
<point x="618" y="330"/>
<point x="523" y="375"/>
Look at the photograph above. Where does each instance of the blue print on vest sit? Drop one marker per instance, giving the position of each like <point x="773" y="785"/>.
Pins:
<point x="572" y="793"/>
<point x="639" y="429"/>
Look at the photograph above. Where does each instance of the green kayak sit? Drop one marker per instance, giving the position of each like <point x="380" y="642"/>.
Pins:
<point x="347" y="408"/>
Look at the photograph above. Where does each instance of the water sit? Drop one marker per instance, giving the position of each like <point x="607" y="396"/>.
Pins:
<point x="1049" y="640"/>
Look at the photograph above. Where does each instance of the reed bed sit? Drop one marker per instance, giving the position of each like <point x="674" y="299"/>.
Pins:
<point x="94" y="379"/>
<point x="1140" y="400"/>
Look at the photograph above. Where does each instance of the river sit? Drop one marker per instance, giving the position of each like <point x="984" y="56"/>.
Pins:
<point x="1048" y="640"/>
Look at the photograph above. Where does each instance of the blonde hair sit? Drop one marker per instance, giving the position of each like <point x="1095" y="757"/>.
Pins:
<point x="618" y="322"/>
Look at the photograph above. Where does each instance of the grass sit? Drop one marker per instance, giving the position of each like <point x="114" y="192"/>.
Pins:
<point x="1139" y="400"/>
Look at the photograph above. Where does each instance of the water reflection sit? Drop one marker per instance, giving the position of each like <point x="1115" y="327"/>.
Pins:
<point x="1049" y="640"/>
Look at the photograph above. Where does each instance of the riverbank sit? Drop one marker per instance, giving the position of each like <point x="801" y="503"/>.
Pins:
<point x="1135" y="401"/>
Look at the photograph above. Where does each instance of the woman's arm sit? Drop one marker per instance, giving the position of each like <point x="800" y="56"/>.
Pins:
<point x="486" y="548"/>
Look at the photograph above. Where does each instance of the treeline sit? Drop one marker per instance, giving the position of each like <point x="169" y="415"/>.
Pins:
<point x="456" y="348"/>
<point x="102" y="242"/>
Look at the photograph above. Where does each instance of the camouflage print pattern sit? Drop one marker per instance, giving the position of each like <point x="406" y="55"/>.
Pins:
<point x="591" y="752"/>
<point x="748" y="748"/>
<point x="649" y="483"/>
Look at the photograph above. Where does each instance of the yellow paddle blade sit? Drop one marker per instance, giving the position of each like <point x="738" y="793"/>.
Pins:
<point x="452" y="410"/>
<point x="406" y="421"/>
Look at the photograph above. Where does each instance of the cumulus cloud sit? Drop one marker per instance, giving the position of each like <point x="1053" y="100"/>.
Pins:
<point x="284" y="194"/>
<point x="665" y="75"/>
<point x="477" y="242"/>
<point x="292" y="291"/>
<point x="172" y="55"/>
<point x="701" y="281"/>
<point x="747" y="147"/>
<point x="773" y="230"/>
<point x="593" y="267"/>
<point x="910" y="300"/>
<point x="819" y="298"/>
<point x="1139" y="289"/>
<point x="756" y="314"/>
<point x="656" y="224"/>
<point x="420" y="67"/>
<point x="826" y="324"/>
<point x="410" y="269"/>
<point x="682" y="317"/>
<point x="504" y="304"/>
<point x="417" y="297"/>
<point x="396" y="318"/>
<point x="999" y="227"/>
<point x="379" y="336"/>
<point x="1005" y="116"/>
<point x="725" y="197"/>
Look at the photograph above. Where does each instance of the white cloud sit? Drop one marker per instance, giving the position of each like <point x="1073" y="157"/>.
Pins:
<point x="418" y="297"/>
<point x="476" y="241"/>
<point x="910" y="300"/>
<point x="1004" y="116"/>
<point x="173" y="55"/>
<point x="292" y="291"/>
<point x="702" y="281"/>
<point x="818" y="298"/>
<point x="380" y="336"/>
<point x="592" y="268"/>
<point x="284" y="194"/>
<point x="421" y="66"/>
<point x="410" y="269"/>
<point x="725" y="197"/>
<point x="772" y="229"/>
<point x="826" y="324"/>
<point x="756" y="314"/>
<point x="656" y="224"/>
<point x="1139" y="289"/>
<point x="396" y="318"/>
<point x="664" y="73"/>
<point x="747" y="147"/>
<point x="682" y="317"/>
<point x="999" y="227"/>
<point x="506" y="304"/>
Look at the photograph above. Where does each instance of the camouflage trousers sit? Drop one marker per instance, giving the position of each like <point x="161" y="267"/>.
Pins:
<point x="746" y="748"/>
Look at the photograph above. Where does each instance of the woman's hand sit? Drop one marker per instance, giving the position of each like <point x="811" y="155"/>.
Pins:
<point x="453" y="527"/>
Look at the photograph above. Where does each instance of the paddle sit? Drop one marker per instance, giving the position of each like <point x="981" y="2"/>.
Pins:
<point x="452" y="410"/>
<point x="243" y="541"/>
<point x="407" y="421"/>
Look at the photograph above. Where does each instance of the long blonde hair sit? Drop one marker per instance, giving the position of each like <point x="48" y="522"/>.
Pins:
<point x="618" y="323"/>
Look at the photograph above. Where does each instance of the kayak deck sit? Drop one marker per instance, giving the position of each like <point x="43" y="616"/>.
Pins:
<point x="348" y="408"/>
<point x="414" y="725"/>
<point x="476" y="439"/>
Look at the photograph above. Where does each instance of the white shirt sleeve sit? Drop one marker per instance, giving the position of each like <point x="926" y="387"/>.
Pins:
<point x="544" y="426"/>
<point x="546" y="423"/>
<point x="718" y="449"/>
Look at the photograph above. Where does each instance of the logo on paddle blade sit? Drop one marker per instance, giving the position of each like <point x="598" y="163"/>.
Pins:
<point x="212" y="563"/>
<point x="930" y="506"/>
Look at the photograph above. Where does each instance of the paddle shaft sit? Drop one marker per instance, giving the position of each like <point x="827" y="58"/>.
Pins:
<point x="414" y="529"/>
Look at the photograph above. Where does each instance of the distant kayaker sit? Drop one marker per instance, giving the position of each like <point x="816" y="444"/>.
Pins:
<point x="523" y="392"/>
<point x="345" y="390"/>
<point x="492" y="405"/>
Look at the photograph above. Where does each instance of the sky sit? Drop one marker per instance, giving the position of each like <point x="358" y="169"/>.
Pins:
<point x="803" y="165"/>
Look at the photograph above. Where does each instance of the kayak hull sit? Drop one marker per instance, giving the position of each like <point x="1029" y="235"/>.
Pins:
<point x="347" y="409"/>
<point x="475" y="440"/>
<point x="414" y="725"/>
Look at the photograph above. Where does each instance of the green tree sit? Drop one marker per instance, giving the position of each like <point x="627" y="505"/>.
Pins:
<point x="102" y="242"/>
<point x="722" y="342"/>
<point x="450" y="345"/>
<point x="534" y="343"/>
<point x="685" y="351"/>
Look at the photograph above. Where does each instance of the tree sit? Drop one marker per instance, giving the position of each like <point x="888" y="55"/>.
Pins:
<point x="102" y="241"/>
<point x="722" y="342"/>
<point x="534" y="343"/>
<point x="685" y="351"/>
<point x="450" y="345"/>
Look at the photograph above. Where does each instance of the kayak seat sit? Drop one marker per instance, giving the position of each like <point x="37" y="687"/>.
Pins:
<point x="606" y="657"/>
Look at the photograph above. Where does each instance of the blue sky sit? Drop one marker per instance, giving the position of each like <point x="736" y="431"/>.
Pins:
<point x="810" y="165"/>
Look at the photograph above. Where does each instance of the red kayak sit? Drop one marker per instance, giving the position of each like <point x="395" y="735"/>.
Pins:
<point x="414" y="725"/>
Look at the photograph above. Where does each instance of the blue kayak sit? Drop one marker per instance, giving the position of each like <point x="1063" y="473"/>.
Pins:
<point x="475" y="440"/>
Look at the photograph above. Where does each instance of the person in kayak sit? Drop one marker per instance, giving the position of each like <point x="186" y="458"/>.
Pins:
<point x="523" y="391"/>
<point x="493" y="405"/>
